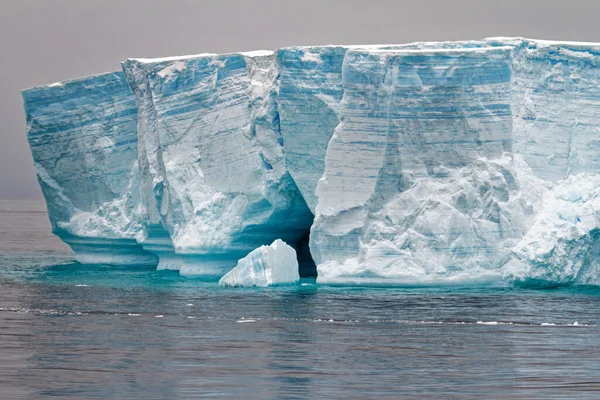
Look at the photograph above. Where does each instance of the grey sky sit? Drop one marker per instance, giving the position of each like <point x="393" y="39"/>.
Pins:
<point x="45" y="41"/>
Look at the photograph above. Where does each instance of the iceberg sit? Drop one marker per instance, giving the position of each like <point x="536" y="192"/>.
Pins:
<point x="82" y="135"/>
<point x="266" y="266"/>
<point x="421" y="163"/>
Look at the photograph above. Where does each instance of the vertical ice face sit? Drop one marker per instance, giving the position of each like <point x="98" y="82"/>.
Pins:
<point x="83" y="140"/>
<point x="219" y="179"/>
<point x="556" y="105"/>
<point x="153" y="181"/>
<point x="409" y="191"/>
<point x="310" y="91"/>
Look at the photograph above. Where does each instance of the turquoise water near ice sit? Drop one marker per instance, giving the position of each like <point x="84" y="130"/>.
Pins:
<point x="86" y="332"/>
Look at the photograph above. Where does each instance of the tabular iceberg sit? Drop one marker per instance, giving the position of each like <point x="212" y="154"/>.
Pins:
<point x="420" y="163"/>
<point x="266" y="266"/>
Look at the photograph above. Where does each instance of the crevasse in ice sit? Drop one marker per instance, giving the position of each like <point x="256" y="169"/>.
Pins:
<point x="421" y="163"/>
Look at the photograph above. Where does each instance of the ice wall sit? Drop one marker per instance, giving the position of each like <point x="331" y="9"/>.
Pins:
<point x="216" y="176"/>
<point x="420" y="199"/>
<point x="421" y="163"/>
<point x="154" y="237"/>
<point x="310" y="92"/>
<point x="82" y="136"/>
<point x="556" y="105"/>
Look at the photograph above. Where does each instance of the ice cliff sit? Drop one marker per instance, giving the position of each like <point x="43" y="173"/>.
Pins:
<point x="212" y="160"/>
<point x="82" y="136"/>
<point x="420" y="163"/>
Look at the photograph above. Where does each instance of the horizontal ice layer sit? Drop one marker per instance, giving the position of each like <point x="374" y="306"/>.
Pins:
<point x="310" y="91"/>
<point x="266" y="266"/>
<point x="82" y="136"/>
<point x="216" y="178"/>
<point x="409" y="193"/>
<point x="556" y="105"/>
<point x="563" y="246"/>
<point x="554" y="77"/>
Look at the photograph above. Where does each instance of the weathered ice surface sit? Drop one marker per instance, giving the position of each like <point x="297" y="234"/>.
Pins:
<point x="563" y="246"/>
<point x="310" y="92"/>
<point x="216" y="178"/>
<point x="155" y="236"/>
<point x="266" y="266"/>
<point x="556" y="105"/>
<point x="419" y="200"/>
<point x="82" y="135"/>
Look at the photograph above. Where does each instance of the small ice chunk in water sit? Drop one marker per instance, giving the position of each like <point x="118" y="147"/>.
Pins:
<point x="243" y="320"/>
<point x="268" y="265"/>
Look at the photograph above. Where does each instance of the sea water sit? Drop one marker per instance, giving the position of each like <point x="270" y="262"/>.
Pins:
<point x="81" y="332"/>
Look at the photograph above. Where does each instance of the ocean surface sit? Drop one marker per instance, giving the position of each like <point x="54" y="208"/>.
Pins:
<point x="100" y="332"/>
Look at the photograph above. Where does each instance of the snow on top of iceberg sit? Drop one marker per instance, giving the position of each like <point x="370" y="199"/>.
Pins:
<point x="171" y="58"/>
<point x="379" y="45"/>
<point x="252" y="53"/>
<point x="458" y="50"/>
<point x="427" y="46"/>
<point x="84" y="80"/>
<point x="543" y="41"/>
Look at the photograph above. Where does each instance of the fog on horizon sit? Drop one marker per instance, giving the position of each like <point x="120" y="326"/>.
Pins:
<point x="46" y="41"/>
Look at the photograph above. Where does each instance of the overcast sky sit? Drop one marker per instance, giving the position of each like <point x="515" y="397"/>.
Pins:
<point x="44" y="41"/>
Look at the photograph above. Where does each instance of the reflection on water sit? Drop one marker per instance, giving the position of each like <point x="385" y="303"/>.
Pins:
<point x="84" y="332"/>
